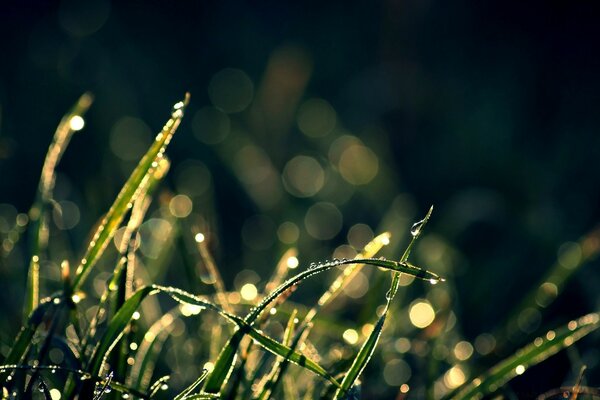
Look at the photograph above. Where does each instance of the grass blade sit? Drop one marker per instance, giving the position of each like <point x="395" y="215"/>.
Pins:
<point x="70" y="123"/>
<point x="193" y="386"/>
<point x="366" y="351"/>
<point x="361" y="359"/>
<point x="530" y="355"/>
<point x="129" y="192"/>
<point x="213" y="271"/>
<point x="226" y="359"/>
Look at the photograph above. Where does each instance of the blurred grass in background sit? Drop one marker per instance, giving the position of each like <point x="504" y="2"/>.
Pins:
<point x="319" y="126"/>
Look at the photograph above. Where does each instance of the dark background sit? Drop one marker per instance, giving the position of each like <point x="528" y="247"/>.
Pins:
<point x="489" y="110"/>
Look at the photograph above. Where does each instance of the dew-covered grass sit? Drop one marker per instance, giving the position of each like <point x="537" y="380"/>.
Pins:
<point x="115" y="328"/>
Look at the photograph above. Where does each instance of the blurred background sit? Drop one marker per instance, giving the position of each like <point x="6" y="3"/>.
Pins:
<point x="319" y="125"/>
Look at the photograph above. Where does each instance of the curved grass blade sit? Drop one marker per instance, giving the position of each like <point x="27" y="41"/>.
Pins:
<point x="347" y="274"/>
<point x="335" y="288"/>
<point x="528" y="356"/>
<point x="119" y="322"/>
<point x="130" y="191"/>
<point x="265" y="341"/>
<point x="193" y="386"/>
<point x="69" y="124"/>
<point x="202" y="396"/>
<point x="226" y="359"/>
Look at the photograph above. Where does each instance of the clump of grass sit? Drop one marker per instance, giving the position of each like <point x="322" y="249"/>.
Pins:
<point x="247" y="357"/>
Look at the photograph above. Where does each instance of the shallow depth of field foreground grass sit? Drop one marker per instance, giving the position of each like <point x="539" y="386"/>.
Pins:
<point x="109" y="324"/>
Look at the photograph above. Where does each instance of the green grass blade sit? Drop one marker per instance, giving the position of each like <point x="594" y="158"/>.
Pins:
<point x="116" y="328"/>
<point x="528" y="356"/>
<point x="287" y="353"/>
<point x="202" y="396"/>
<point x="362" y="358"/>
<point x="268" y="386"/>
<point x="226" y="359"/>
<point x="128" y="194"/>
<point x="69" y="124"/>
<point x="193" y="386"/>
<point x="366" y="351"/>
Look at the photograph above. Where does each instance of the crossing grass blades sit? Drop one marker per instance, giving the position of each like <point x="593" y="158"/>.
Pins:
<point x="97" y="360"/>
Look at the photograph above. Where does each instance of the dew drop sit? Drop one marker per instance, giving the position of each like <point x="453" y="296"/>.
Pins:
<point x="41" y="387"/>
<point x="415" y="230"/>
<point x="107" y="389"/>
<point x="434" y="281"/>
<point x="164" y="386"/>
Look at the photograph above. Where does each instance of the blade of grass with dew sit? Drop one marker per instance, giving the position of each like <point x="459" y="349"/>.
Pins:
<point x="70" y="123"/>
<point x="277" y="278"/>
<point x="129" y="193"/>
<point x="368" y="347"/>
<point x="161" y="383"/>
<point x="343" y="279"/>
<point x="226" y="359"/>
<point x="119" y="322"/>
<point x="260" y="338"/>
<point x="193" y="386"/>
<point x="347" y="274"/>
<point x="528" y="356"/>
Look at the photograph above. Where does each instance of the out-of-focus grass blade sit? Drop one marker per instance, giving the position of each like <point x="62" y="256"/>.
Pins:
<point x="128" y="194"/>
<point x="544" y="292"/>
<point x="268" y="386"/>
<point x="70" y="123"/>
<point x="149" y="349"/>
<point x="226" y="359"/>
<point x="528" y="356"/>
<point x="288" y="260"/>
<point x="266" y="342"/>
<point x="193" y="386"/>
<point x="213" y="271"/>
<point x="346" y="275"/>
<point x="334" y="289"/>
<point x="361" y="359"/>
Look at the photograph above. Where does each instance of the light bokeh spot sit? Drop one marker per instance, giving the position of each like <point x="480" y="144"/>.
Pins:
<point x="421" y="314"/>
<point x="316" y="118"/>
<point x="303" y="176"/>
